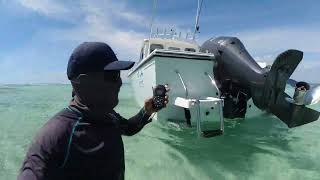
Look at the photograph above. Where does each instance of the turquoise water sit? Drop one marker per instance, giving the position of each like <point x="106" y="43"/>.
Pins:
<point x="254" y="148"/>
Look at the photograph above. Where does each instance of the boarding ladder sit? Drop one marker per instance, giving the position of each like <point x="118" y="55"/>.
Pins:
<point x="198" y="105"/>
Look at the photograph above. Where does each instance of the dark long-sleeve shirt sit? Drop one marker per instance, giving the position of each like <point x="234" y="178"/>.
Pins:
<point x="72" y="146"/>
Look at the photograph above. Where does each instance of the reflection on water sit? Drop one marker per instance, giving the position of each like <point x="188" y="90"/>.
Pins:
<point x="252" y="149"/>
<point x="258" y="147"/>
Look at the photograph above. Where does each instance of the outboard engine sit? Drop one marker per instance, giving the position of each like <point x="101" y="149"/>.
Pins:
<point x="304" y="93"/>
<point x="240" y="78"/>
<point x="299" y="92"/>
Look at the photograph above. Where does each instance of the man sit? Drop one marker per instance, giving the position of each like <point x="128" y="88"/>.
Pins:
<point x="83" y="141"/>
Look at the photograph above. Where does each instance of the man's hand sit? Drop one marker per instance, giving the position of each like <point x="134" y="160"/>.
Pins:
<point x="148" y="103"/>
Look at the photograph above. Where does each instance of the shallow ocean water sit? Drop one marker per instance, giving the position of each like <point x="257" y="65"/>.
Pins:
<point x="251" y="148"/>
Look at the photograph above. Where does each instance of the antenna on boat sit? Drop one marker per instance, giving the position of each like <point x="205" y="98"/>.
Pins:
<point x="153" y="14"/>
<point x="196" y="27"/>
<point x="151" y="23"/>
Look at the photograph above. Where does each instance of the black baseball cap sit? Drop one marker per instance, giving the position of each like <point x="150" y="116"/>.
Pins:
<point x="94" y="57"/>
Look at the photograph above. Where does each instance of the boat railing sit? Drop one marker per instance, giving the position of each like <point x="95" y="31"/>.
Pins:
<point x="213" y="82"/>
<point x="182" y="82"/>
<point x="172" y="34"/>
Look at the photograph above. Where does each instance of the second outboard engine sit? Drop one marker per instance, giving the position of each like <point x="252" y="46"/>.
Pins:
<point x="304" y="93"/>
<point x="240" y="78"/>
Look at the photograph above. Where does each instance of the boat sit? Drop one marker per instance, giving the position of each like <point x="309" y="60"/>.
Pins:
<point x="180" y="65"/>
<point x="219" y="80"/>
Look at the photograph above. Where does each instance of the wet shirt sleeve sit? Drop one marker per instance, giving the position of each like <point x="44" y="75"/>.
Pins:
<point x="134" y="124"/>
<point x="45" y="154"/>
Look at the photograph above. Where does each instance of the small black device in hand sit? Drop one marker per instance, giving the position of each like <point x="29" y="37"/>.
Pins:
<point x="159" y="93"/>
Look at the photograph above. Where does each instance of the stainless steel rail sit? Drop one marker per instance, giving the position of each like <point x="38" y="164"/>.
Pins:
<point x="213" y="82"/>
<point x="183" y="84"/>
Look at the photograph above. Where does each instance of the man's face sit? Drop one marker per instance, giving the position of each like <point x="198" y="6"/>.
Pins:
<point x="99" y="89"/>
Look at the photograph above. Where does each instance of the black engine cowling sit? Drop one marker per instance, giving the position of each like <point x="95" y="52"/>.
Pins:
<point x="239" y="78"/>
<point x="236" y="72"/>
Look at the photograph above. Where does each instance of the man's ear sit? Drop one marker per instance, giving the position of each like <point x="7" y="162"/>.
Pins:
<point x="76" y="90"/>
<point x="75" y="87"/>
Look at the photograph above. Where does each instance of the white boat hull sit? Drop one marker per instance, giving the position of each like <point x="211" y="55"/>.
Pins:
<point x="195" y="72"/>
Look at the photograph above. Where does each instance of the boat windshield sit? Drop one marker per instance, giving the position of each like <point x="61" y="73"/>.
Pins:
<point x="174" y="48"/>
<point x="155" y="46"/>
<point x="190" y="49"/>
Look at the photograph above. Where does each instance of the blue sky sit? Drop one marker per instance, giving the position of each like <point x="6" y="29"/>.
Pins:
<point x="38" y="36"/>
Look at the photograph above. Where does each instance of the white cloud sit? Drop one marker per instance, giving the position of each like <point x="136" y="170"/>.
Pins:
<point x="307" y="71"/>
<point x="268" y="58"/>
<point x="99" y="21"/>
<point x="266" y="44"/>
<point x="47" y="7"/>
<point x="67" y="11"/>
<point x="97" y="25"/>
<point x="93" y="23"/>
<point x="270" y="40"/>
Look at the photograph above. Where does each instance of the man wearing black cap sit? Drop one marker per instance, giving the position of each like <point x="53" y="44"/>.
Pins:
<point x="83" y="141"/>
